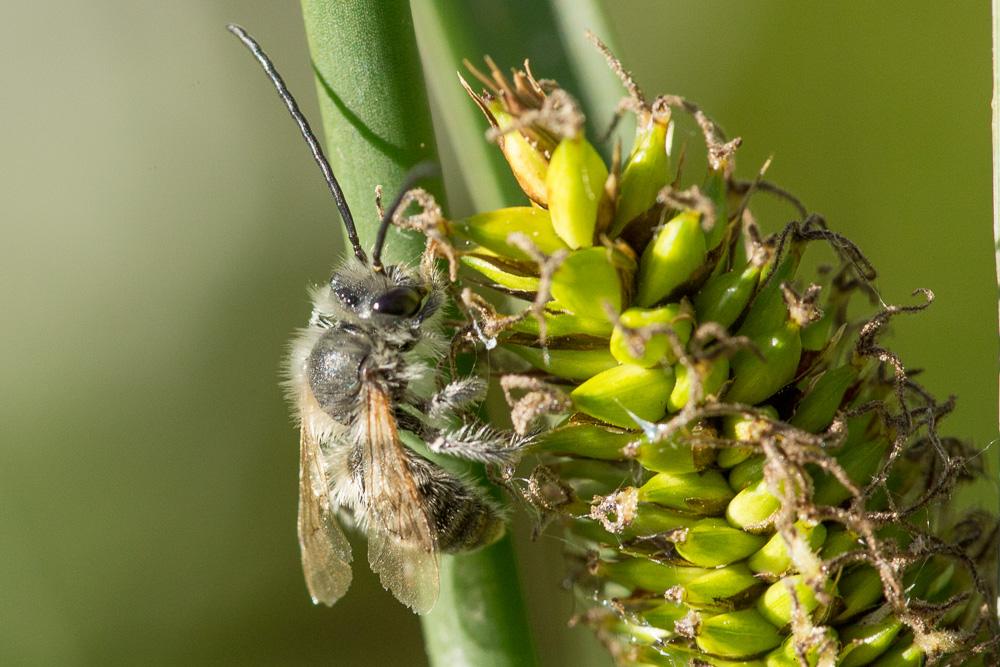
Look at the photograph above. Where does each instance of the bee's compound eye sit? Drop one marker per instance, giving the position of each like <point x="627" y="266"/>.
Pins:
<point x="399" y="301"/>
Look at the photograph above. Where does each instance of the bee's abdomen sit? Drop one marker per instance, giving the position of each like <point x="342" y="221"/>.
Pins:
<point x="463" y="518"/>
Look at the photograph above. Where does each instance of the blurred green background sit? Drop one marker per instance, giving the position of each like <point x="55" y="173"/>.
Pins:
<point x="162" y="220"/>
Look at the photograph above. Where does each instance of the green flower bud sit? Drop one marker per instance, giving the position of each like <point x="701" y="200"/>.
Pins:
<point x="774" y="559"/>
<point x="703" y="493"/>
<point x="756" y="379"/>
<point x="675" y="454"/>
<point x="786" y="656"/>
<point x="569" y="364"/>
<point x="748" y="429"/>
<point x="768" y="310"/>
<point x="588" y="281"/>
<point x="713" y="542"/>
<point x="776" y="602"/>
<point x="714" y="374"/>
<point x="657" y="349"/>
<point x="558" y="325"/>
<point x="867" y="640"/>
<point x="724" y="297"/>
<point x="664" y="615"/>
<point x="860" y="460"/>
<point x="590" y="441"/>
<point x="816" y="410"/>
<point x="737" y="634"/>
<point x="647" y="171"/>
<point x="753" y="507"/>
<point x="903" y="654"/>
<point x="575" y="186"/>
<point x="652" y="520"/>
<point x="508" y="275"/>
<point x="859" y="589"/>
<point x="747" y="473"/>
<point x="620" y="394"/>
<point x="647" y="575"/>
<point x="677" y="250"/>
<point x="492" y="229"/>
<point x="722" y="589"/>
<point x="816" y="335"/>
<point x="715" y="190"/>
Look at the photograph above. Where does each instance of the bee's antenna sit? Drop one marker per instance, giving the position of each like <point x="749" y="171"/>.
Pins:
<point x="419" y="172"/>
<point x="307" y="134"/>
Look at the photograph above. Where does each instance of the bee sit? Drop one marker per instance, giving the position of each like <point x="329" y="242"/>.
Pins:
<point x="358" y="376"/>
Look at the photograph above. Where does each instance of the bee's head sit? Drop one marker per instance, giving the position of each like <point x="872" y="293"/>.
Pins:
<point x="393" y="296"/>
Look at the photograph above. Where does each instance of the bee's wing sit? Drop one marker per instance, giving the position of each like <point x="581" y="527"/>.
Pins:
<point x="401" y="543"/>
<point x="326" y="555"/>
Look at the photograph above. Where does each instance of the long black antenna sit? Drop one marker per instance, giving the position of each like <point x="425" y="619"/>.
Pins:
<point x="416" y="174"/>
<point x="307" y="134"/>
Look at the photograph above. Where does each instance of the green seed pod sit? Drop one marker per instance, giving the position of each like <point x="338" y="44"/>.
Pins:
<point x="657" y="349"/>
<point x="702" y="493"/>
<point x="677" y="250"/>
<point x="647" y="575"/>
<point x="753" y="507"/>
<point x="737" y="634"/>
<point x="748" y="429"/>
<point x="590" y="441"/>
<point x="859" y="589"/>
<point x="724" y="297"/>
<point x="747" y="473"/>
<point x="714" y="374"/>
<point x="713" y="542"/>
<point x="558" y="325"/>
<point x="652" y="519"/>
<point x="768" y="310"/>
<point x="867" y="640"/>
<point x="816" y="410"/>
<point x="715" y="190"/>
<point x="774" y="559"/>
<point x="527" y="159"/>
<point x="647" y="171"/>
<point x="860" y="460"/>
<point x="776" y="602"/>
<point x="904" y="653"/>
<point x="756" y="379"/>
<point x="492" y="229"/>
<point x="508" y="275"/>
<point x="620" y="394"/>
<point x="587" y="282"/>
<point x="816" y="335"/>
<point x="569" y="364"/>
<point x="575" y="186"/>
<point x="664" y="615"/>
<point x="786" y="656"/>
<point x="675" y="454"/>
<point x="722" y="589"/>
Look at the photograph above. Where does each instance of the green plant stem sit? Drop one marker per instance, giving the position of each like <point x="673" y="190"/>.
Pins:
<point x="378" y="124"/>
<point x="446" y="38"/>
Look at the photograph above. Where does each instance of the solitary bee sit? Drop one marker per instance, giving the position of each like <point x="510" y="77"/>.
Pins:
<point x="357" y="375"/>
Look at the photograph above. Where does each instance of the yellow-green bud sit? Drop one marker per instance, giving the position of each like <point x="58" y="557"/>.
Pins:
<point x="590" y="441"/>
<point x="568" y="364"/>
<point x="736" y="634"/>
<point x="786" y="656"/>
<point x="527" y="162"/>
<point x="492" y="229"/>
<point x="867" y="640"/>
<point x="647" y="171"/>
<point x="724" y="297"/>
<point x="774" y="559"/>
<point x="575" y="186"/>
<point x="722" y="589"/>
<point x="714" y="374"/>
<point x="817" y="408"/>
<point x="703" y="493"/>
<point x="615" y="395"/>
<point x="565" y="324"/>
<point x="756" y="379"/>
<point x="776" y="602"/>
<point x="747" y="429"/>
<point x="657" y="350"/>
<point x="677" y="250"/>
<point x="753" y="507"/>
<point x="713" y="542"/>
<point x="640" y="573"/>
<point x="747" y="472"/>
<point x="507" y="274"/>
<point x="588" y="281"/>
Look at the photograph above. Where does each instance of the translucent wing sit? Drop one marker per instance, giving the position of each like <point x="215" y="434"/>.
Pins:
<point x="326" y="555"/>
<point x="401" y="544"/>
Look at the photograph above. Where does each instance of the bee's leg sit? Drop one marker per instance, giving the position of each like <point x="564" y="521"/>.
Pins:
<point x="456" y="397"/>
<point x="481" y="443"/>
